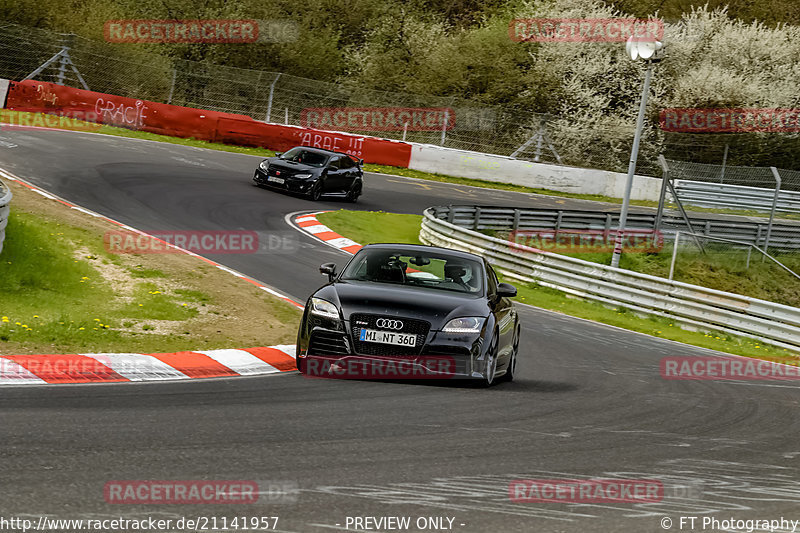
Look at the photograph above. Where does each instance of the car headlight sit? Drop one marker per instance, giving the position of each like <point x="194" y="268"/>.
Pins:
<point x="324" y="308"/>
<point x="264" y="165"/>
<point x="302" y="176"/>
<point x="466" y="324"/>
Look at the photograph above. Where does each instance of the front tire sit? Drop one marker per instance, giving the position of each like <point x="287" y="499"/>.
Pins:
<point x="491" y="364"/>
<point x="315" y="192"/>
<point x="354" y="193"/>
<point x="512" y="364"/>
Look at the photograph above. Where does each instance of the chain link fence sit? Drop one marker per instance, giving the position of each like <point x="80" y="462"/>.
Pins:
<point x="748" y="269"/>
<point x="761" y="189"/>
<point x="132" y="70"/>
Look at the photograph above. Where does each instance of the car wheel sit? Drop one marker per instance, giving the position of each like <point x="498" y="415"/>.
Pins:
<point x="512" y="365"/>
<point x="491" y="364"/>
<point x="315" y="192"/>
<point x="354" y="193"/>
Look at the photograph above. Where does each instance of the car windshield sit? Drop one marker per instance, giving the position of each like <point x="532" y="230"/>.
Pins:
<point x="307" y="157"/>
<point x="432" y="270"/>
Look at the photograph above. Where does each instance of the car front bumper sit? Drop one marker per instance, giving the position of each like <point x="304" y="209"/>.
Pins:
<point x="290" y="184"/>
<point x="438" y="358"/>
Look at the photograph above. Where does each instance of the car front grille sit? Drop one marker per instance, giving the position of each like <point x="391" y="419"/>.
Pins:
<point x="283" y="172"/>
<point x="410" y="325"/>
<point x="327" y="343"/>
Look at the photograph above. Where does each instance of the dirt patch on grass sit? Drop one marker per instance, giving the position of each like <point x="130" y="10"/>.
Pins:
<point x="155" y="302"/>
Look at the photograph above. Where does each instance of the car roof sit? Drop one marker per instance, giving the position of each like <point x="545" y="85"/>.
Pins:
<point x="425" y="248"/>
<point x="321" y="151"/>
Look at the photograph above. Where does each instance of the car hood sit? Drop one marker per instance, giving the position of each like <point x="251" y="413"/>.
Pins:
<point x="435" y="306"/>
<point x="290" y="166"/>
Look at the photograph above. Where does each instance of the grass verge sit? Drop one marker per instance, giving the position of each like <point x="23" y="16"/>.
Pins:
<point x="63" y="292"/>
<point x="358" y="225"/>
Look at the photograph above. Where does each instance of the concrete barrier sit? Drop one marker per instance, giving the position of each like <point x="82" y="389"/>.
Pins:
<point x="5" y="208"/>
<point x="502" y="169"/>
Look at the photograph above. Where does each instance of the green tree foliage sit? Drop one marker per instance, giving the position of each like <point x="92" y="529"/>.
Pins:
<point x="770" y="12"/>
<point x="742" y="56"/>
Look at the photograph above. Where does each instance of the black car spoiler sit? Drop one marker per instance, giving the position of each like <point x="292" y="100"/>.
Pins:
<point x="360" y="161"/>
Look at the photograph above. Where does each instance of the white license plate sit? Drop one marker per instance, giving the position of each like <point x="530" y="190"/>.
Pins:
<point x="387" y="337"/>
<point x="276" y="180"/>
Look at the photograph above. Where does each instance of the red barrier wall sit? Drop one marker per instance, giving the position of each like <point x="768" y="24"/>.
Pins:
<point x="43" y="97"/>
<point x="128" y="113"/>
<point x="281" y="138"/>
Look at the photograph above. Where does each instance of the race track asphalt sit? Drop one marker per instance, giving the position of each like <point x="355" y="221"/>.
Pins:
<point x="589" y="400"/>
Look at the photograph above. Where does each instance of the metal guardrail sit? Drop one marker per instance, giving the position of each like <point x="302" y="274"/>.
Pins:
<point x="5" y="207"/>
<point x="724" y="195"/>
<point x="784" y="237"/>
<point x="698" y="307"/>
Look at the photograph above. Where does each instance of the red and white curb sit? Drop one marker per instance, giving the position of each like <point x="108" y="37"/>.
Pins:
<point x="309" y="224"/>
<point x="122" y="367"/>
<point x="12" y="177"/>
<point x="135" y="367"/>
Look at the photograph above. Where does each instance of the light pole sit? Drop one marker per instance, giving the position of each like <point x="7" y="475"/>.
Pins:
<point x="652" y="52"/>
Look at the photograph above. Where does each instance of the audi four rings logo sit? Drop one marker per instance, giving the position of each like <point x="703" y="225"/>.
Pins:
<point x="389" y="324"/>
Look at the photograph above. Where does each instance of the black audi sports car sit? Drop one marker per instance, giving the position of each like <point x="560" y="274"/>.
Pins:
<point x="313" y="172"/>
<point x="413" y="302"/>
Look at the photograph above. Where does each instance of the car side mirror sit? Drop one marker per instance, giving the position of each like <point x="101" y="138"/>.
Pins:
<point x="506" y="290"/>
<point x="330" y="270"/>
<point x="278" y="154"/>
<point x="331" y="167"/>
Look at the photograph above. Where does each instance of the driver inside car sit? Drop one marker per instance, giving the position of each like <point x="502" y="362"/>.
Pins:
<point x="457" y="273"/>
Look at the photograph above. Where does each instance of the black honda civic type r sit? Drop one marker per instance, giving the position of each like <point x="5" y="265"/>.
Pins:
<point x="413" y="303"/>
<point x="312" y="172"/>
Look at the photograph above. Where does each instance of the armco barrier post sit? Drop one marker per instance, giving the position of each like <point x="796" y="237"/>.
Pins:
<point x="271" y="94"/>
<point x="444" y="127"/>
<point x="663" y="194"/>
<point x="774" y="206"/>
<point x="674" y="254"/>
